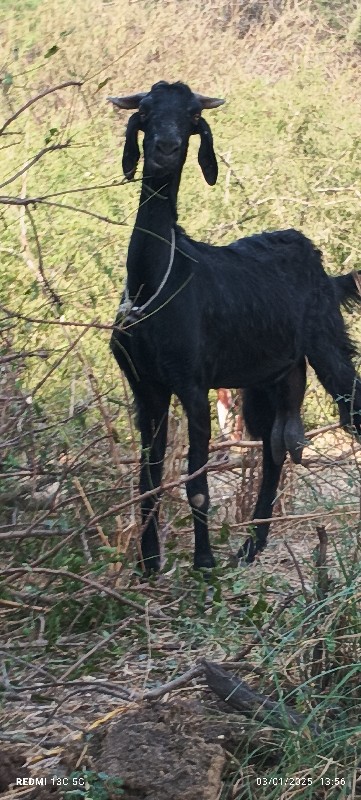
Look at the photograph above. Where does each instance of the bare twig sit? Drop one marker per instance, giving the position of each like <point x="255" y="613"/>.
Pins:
<point x="34" y="201"/>
<point x="297" y="567"/>
<point x="59" y="322"/>
<point x="54" y="297"/>
<point x="81" y="189"/>
<point x="35" y="100"/>
<point x="219" y="468"/>
<point x="319" y="656"/>
<point x="64" y="573"/>
<point x="258" y="636"/>
<point x="102" y="643"/>
<point x="36" y="534"/>
<point x="176" y="683"/>
<point x="60" y="360"/>
<point x="321" y="563"/>
<point x="103" y="538"/>
<point x="51" y="149"/>
<point x="23" y="355"/>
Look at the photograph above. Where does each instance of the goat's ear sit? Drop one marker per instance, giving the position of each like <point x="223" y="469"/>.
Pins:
<point x="206" y="155"/>
<point x="131" y="100"/>
<point x="131" y="152"/>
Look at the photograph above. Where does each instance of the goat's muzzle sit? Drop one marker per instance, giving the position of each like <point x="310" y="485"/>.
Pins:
<point x="164" y="155"/>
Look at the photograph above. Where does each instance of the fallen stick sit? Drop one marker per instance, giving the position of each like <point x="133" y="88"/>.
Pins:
<point x="239" y="695"/>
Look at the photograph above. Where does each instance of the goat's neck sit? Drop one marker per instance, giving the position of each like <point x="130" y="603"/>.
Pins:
<point x="149" y="248"/>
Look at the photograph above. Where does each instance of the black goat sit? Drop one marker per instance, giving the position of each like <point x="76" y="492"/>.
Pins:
<point x="201" y="317"/>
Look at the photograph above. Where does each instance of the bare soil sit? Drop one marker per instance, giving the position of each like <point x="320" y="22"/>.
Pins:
<point x="171" y="751"/>
<point x="12" y="767"/>
<point x="161" y="753"/>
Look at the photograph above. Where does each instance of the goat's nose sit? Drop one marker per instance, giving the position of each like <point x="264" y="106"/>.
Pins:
<point x="168" y="147"/>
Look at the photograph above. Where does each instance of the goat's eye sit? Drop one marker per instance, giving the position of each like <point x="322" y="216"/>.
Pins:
<point x="196" y="118"/>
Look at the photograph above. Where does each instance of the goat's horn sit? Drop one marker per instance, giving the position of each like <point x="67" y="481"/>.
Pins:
<point x="128" y="101"/>
<point x="209" y="102"/>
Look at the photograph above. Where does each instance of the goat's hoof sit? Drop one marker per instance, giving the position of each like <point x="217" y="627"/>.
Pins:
<point x="204" y="561"/>
<point x="247" y="552"/>
<point x="151" y="566"/>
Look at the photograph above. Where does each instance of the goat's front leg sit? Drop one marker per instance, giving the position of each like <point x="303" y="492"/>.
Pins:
<point x="152" y="410"/>
<point x="199" y="428"/>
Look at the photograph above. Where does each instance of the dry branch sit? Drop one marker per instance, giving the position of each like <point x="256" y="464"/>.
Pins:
<point x="23" y="493"/>
<point x="258" y="636"/>
<point x="36" y="534"/>
<point x="219" y="468"/>
<point x="98" y="646"/>
<point x="53" y="295"/>
<point x="33" y="201"/>
<point x="23" y="355"/>
<point x="297" y="567"/>
<point x="321" y="563"/>
<point x="52" y="148"/>
<point x="64" y="573"/>
<point x="176" y="683"/>
<point x="35" y="99"/>
<point x="103" y="538"/>
<point x="319" y="657"/>
<point x="243" y="698"/>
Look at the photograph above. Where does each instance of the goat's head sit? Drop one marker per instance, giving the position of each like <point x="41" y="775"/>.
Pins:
<point x="168" y="115"/>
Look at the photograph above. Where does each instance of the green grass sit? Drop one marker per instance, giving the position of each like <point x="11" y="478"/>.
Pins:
<point x="289" y="147"/>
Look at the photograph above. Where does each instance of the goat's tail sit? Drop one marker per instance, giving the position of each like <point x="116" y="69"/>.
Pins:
<point x="348" y="288"/>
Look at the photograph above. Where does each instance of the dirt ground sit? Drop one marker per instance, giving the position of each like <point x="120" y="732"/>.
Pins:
<point x="161" y="753"/>
<point x="172" y="751"/>
<point x="13" y="767"/>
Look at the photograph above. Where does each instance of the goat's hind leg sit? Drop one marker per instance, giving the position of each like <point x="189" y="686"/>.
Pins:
<point x="287" y="433"/>
<point x="260" y="414"/>
<point x="152" y="411"/>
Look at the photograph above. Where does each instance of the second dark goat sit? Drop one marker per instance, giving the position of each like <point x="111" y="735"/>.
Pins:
<point x="196" y="316"/>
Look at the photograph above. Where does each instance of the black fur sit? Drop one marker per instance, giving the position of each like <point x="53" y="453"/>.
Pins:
<point x="131" y="152"/>
<point x="206" y="155"/>
<point x="244" y="315"/>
